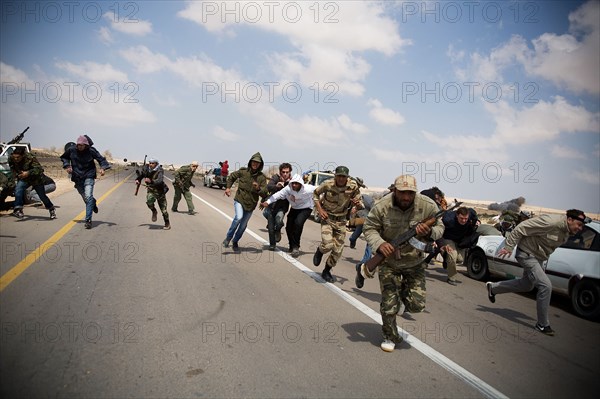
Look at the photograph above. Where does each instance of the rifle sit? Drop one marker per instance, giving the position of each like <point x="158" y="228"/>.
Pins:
<point x="140" y="183"/>
<point x="18" y="137"/>
<point x="405" y="237"/>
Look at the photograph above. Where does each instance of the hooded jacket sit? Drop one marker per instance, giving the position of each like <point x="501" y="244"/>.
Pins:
<point x="82" y="162"/>
<point x="301" y="199"/>
<point x="246" y="194"/>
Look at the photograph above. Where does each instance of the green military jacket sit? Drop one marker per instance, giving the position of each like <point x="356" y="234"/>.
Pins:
<point x="336" y="200"/>
<point x="183" y="177"/>
<point x="386" y="221"/>
<point x="246" y="194"/>
<point x="157" y="184"/>
<point x="29" y="163"/>
<point x="539" y="236"/>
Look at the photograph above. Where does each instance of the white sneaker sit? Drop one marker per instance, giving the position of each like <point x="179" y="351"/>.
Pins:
<point x="387" y="345"/>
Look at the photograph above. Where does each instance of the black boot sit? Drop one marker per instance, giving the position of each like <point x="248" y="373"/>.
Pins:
<point x="317" y="257"/>
<point x="327" y="275"/>
<point x="359" y="280"/>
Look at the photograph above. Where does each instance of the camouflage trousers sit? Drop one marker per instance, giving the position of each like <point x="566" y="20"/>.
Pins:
<point x="400" y="286"/>
<point x="333" y="236"/>
<point x="152" y="197"/>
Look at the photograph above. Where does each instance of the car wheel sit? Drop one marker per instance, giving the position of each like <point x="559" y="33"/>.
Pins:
<point x="477" y="265"/>
<point x="585" y="298"/>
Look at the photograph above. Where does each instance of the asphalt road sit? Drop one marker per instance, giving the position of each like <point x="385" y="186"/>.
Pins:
<point x="127" y="309"/>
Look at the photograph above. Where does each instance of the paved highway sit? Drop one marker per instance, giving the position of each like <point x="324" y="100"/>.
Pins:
<point x="129" y="310"/>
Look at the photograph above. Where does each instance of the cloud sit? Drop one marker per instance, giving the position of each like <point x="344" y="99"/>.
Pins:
<point x="560" y="151"/>
<point x="105" y="36"/>
<point x="385" y="116"/>
<point x="570" y="60"/>
<point x="134" y="27"/>
<point x="223" y="134"/>
<point x="11" y="75"/>
<point x="326" y="36"/>
<point x="543" y="121"/>
<point x="587" y="176"/>
<point x="345" y="122"/>
<point x="93" y="71"/>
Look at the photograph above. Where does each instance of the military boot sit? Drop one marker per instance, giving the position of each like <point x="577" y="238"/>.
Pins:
<point x="154" y="214"/>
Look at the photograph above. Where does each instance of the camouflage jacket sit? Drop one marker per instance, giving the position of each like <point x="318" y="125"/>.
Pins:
<point x="30" y="164"/>
<point x="157" y="184"/>
<point x="386" y="221"/>
<point x="539" y="236"/>
<point x="336" y="200"/>
<point x="246" y="194"/>
<point x="183" y="177"/>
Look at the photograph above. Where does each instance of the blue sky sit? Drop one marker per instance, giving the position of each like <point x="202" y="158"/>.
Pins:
<point x="486" y="100"/>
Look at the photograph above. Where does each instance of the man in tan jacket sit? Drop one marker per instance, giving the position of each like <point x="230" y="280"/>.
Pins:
<point x="537" y="239"/>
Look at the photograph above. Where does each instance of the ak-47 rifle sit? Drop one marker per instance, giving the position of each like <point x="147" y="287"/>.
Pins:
<point x="140" y="183"/>
<point x="405" y="237"/>
<point x="18" y="137"/>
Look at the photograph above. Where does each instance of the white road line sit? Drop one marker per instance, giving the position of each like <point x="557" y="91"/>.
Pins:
<point x="487" y="390"/>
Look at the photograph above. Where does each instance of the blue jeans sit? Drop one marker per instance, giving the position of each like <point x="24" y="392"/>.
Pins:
<point x="274" y="222"/>
<point x="367" y="255"/>
<point x="357" y="232"/>
<point x="20" y="188"/>
<point x="239" y="223"/>
<point x="86" y="190"/>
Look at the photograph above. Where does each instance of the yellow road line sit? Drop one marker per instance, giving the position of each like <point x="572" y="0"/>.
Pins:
<point x="20" y="267"/>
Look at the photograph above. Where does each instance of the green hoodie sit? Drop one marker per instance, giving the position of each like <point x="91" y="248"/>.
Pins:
<point x="247" y="195"/>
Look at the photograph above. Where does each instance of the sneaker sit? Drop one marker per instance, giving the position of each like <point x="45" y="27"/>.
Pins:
<point x="95" y="208"/>
<point x="326" y="275"/>
<point x="352" y="244"/>
<point x="88" y="224"/>
<point x="545" y="330"/>
<point x="359" y="280"/>
<point x="388" y="345"/>
<point x="192" y="213"/>
<point x="226" y="243"/>
<point x="317" y="257"/>
<point x="18" y="213"/>
<point x="154" y="215"/>
<point x="235" y="247"/>
<point x="52" y="214"/>
<point x="452" y="282"/>
<point x="167" y="226"/>
<point x="272" y="247"/>
<point x="491" y="295"/>
<point x="277" y="235"/>
<point x="295" y="253"/>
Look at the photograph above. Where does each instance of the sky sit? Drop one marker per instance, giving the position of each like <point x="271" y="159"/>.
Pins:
<point x="486" y="100"/>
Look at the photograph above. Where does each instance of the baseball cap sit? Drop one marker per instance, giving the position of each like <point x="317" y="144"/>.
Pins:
<point x="342" y="171"/>
<point x="406" y="183"/>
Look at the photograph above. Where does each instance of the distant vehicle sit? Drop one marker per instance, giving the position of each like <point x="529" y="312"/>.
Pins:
<point x="6" y="149"/>
<point x="213" y="179"/>
<point x="317" y="177"/>
<point x="573" y="268"/>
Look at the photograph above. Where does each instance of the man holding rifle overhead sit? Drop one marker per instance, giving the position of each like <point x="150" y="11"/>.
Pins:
<point x="402" y="271"/>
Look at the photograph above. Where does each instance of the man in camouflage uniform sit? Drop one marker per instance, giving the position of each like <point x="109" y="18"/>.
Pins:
<point x="27" y="170"/>
<point x="333" y="199"/>
<point x="153" y="176"/>
<point x="182" y="184"/>
<point x="402" y="273"/>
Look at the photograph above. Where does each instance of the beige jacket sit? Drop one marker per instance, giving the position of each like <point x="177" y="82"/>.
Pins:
<point x="386" y="221"/>
<point x="539" y="236"/>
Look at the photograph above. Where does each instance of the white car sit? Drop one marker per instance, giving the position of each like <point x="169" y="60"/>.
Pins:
<point x="573" y="268"/>
<point x="212" y="179"/>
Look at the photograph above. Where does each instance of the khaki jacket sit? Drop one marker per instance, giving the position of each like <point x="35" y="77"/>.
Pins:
<point x="336" y="200"/>
<point x="386" y="221"/>
<point x="539" y="236"/>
